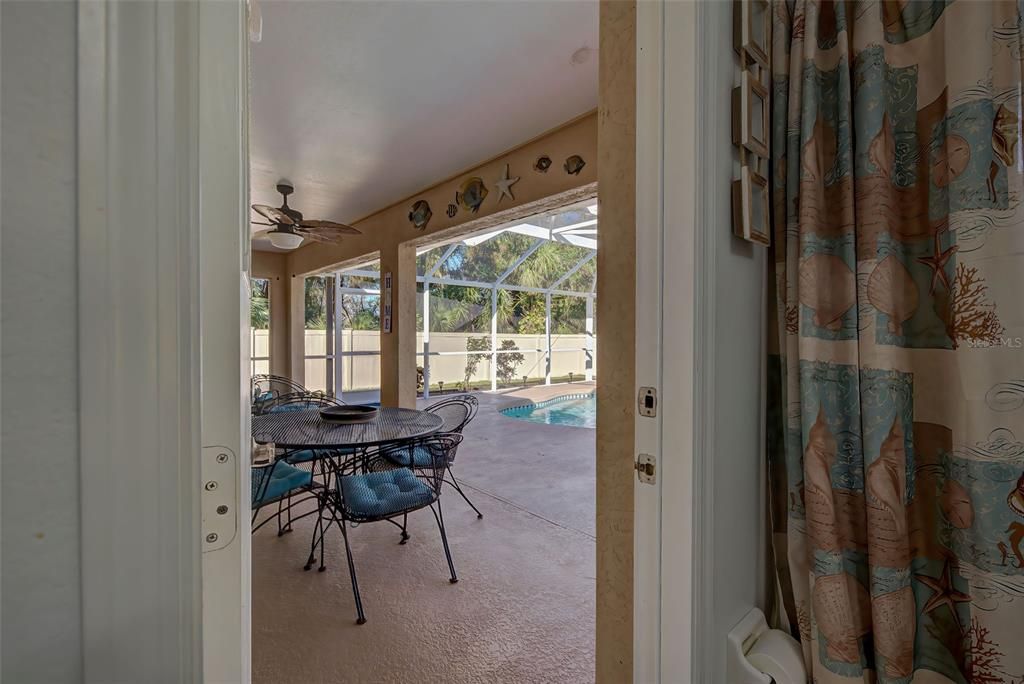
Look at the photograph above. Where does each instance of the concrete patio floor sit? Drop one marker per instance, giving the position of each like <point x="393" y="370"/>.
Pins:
<point x="523" y="610"/>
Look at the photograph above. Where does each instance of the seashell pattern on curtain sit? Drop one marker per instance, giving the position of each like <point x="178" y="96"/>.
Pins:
<point x="896" y="391"/>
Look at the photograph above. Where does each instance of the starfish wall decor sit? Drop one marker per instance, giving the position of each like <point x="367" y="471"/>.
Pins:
<point x="504" y="185"/>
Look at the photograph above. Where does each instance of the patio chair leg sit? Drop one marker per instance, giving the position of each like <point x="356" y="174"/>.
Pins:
<point x="280" y="531"/>
<point x="323" y="544"/>
<point x="352" y="574"/>
<point x="455" y="483"/>
<point x="281" y="509"/>
<point x="317" y="529"/>
<point x="439" y="517"/>
<point x="405" y="523"/>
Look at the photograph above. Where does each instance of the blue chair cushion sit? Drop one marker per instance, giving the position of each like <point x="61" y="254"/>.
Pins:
<point x="374" y="495"/>
<point x="307" y="455"/>
<point x="421" y="457"/>
<point x="296" y="406"/>
<point x="283" y="479"/>
<point x="304" y="456"/>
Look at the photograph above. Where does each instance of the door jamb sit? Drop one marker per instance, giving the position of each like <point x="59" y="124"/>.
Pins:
<point x="647" y="561"/>
<point x="673" y="564"/>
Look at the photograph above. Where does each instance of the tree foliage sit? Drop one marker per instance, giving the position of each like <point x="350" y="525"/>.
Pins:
<point x="316" y="303"/>
<point x="475" y="344"/>
<point x="360" y="312"/>
<point x="259" y="304"/>
<point x="509" y="363"/>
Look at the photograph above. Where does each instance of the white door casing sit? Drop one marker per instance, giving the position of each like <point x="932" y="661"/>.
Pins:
<point x="224" y="264"/>
<point x="674" y="340"/>
<point x="162" y="230"/>
<point x="138" y="328"/>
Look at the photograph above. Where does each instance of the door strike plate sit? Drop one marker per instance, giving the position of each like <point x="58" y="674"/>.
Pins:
<point x="647" y="402"/>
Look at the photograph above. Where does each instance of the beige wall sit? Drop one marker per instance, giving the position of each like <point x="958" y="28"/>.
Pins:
<point x="616" y="295"/>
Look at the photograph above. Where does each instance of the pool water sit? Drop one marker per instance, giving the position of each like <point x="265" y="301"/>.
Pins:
<point x="575" y="412"/>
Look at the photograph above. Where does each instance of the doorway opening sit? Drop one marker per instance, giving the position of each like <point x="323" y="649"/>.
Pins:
<point x="480" y="285"/>
<point x="527" y="462"/>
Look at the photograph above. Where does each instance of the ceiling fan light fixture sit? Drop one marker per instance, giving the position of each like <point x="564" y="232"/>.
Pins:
<point x="283" y="240"/>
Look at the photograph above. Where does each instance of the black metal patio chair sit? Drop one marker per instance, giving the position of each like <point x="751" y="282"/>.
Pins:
<point x="300" y="401"/>
<point x="266" y="388"/>
<point x="304" y="459"/>
<point x="274" y="482"/>
<point x="385" y="492"/>
<point x="456" y="412"/>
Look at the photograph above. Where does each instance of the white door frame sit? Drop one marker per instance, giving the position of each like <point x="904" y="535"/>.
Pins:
<point x="673" y="342"/>
<point x="164" y="359"/>
<point x="162" y="229"/>
<point x="223" y="167"/>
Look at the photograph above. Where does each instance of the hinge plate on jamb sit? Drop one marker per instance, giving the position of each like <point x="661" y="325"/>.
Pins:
<point x="646" y="469"/>
<point x="219" y="470"/>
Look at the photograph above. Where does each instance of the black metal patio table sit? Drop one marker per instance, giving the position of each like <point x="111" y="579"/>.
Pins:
<point x="294" y="431"/>
<point x="307" y="430"/>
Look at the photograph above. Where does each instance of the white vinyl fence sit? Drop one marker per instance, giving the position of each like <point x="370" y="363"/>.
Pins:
<point x="361" y="357"/>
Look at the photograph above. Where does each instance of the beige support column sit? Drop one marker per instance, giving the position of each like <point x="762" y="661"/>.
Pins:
<point x="616" y="354"/>
<point x="280" y="360"/>
<point x="398" y="347"/>
<point x="274" y="267"/>
<point x="297" y="327"/>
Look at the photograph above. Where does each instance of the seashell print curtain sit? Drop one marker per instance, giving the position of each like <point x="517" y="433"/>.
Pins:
<point x="896" y="410"/>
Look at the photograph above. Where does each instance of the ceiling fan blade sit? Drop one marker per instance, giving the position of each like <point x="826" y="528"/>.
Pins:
<point x="318" y="235"/>
<point x="273" y="213"/>
<point x="262" y="223"/>
<point x="338" y="228"/>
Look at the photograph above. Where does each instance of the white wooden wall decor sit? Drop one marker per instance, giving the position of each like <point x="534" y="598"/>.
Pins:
<point x="751" y="119"/>
<point x="750" y="205"/>
<point x="751" y="122"/>
<point x="752" y="30"/>
<point x="386" y="303"/>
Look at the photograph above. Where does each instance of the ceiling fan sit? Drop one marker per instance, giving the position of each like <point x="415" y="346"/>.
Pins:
<point x="289" y="227"/>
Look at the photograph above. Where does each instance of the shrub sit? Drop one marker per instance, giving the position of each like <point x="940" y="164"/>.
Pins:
<point x="509" y="363"/>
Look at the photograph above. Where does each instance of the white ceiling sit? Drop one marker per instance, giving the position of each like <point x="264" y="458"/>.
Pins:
<point x="361" y="104"/>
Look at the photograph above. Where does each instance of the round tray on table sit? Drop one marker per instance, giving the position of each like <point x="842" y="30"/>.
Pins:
<point x="351" y="413"/>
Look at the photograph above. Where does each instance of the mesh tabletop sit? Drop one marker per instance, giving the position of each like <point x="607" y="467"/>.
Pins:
<point x="306" y="429"/>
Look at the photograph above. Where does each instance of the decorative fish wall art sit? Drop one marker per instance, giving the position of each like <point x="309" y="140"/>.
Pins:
<point x="472" y="194"/>
<point x="542" y="164"/>
<point x="452" y="210"/>
<point x="420" y="215"/>
<point x="574" y="164"/>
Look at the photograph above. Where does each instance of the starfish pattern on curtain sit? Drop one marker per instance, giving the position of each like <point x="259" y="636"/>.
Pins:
<point x="896" y="401"/>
